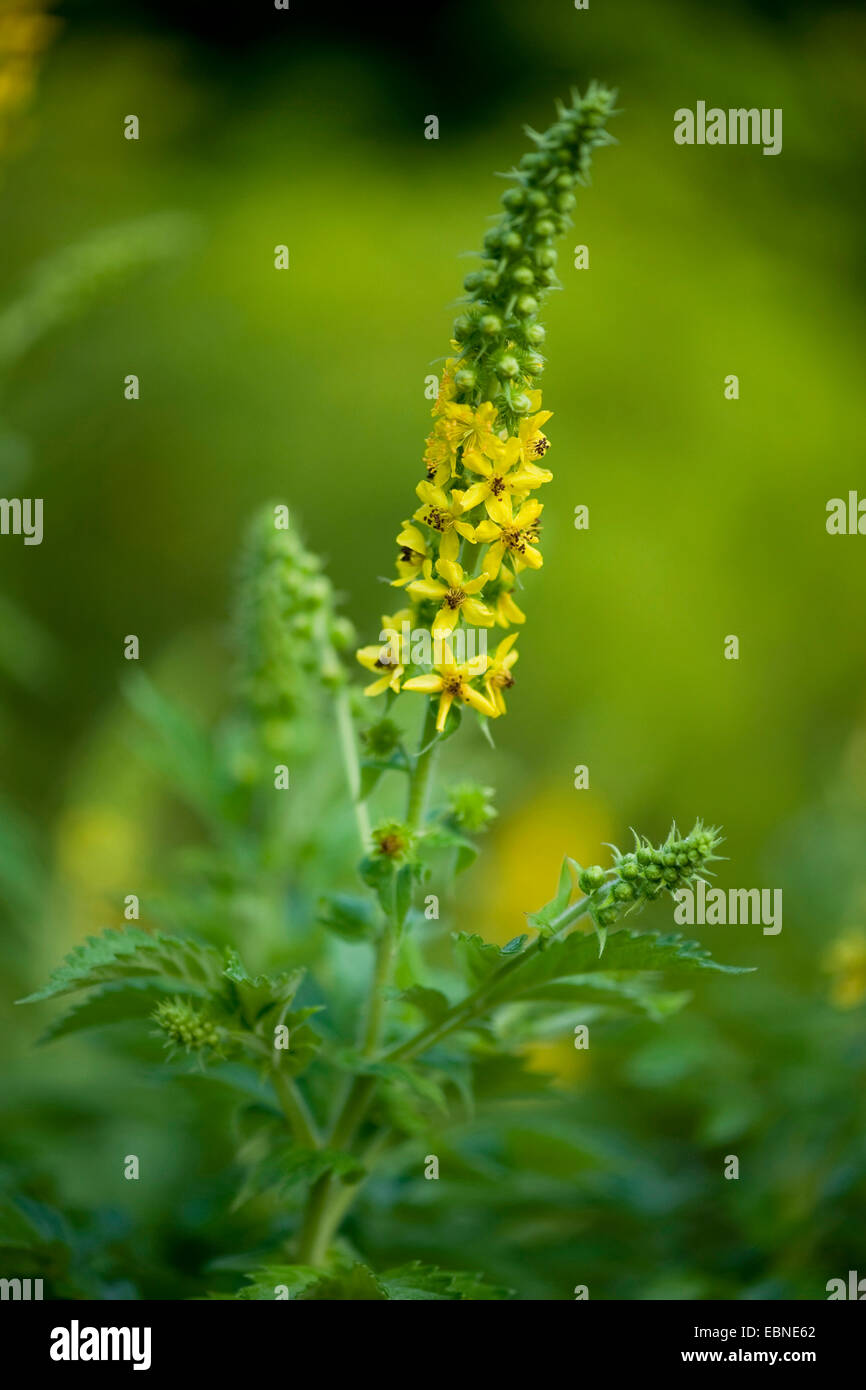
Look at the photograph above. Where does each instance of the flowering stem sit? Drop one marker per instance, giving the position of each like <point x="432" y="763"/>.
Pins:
<point x="349" y="750"/>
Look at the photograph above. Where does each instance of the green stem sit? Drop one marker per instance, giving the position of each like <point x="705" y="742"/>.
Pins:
<point x="349" y="751"/>
<point x="419" y="782"/>
<point x="320" y="1222"/>
<point x="295" y="1109"/>
<point x="475" y="1003"/>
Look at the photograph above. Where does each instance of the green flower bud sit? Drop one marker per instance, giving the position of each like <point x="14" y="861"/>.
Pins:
<point x="530" y="219"/>
<point x="185" y="1026"/>
<point x="591" y="879"/>
<point x="393" y="840"/>
<point x="644" y="873"/>
<point x="536" y="334"/>
<point x="471" y="806"/>
<point x="508" y="366"/>
<point x="381" y="738"/>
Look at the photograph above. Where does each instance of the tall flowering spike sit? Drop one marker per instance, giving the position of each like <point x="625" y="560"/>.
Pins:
<point x="478" y="525"/>
<point x="288" y="627"/>
<point x="642" y="874"/>
<point x="499" y="334"/>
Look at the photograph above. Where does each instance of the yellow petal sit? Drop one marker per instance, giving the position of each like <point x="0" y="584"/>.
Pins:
<point x="475" y="494"/>
<point x="477" y="613"/>
<point x="451" y="572"/>
<point x="450" y="547"/>
<point x="427" y="588"/>
<point x="445" y="620"/>
<point x="428" y="684"/>
<point x="444" y="706"/>
<point x="472" y="586"/>
<point x="479" y="702"/>
<point x="493" y="558"/>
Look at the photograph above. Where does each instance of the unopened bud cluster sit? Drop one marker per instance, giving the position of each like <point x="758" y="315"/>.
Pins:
<point x="499" y="335"/>
<point x="185" y="1026"/>
<point x="642" y="874"/>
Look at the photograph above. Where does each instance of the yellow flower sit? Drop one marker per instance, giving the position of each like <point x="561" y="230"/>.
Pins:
<point x="440" y="457"/>
<point x="447" y="389"/>
<point x="505" y="609"/>
<point x="512" y="535"/>
<point x="383" y="659"/>
<point x="456" y="594"/>
<point x="846" y="961"/>
<point x="451" y="682"/>
<point x="473" y="429"/>
<point x="443" y="512"/>
<point x="533" y="444"/>
<point x="498" y="677"/>
<point x="503" y="473"/>
<point x="413" y="552"/>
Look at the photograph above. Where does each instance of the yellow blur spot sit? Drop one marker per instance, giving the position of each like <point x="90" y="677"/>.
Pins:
<point x="846" y="962"/>
<point x="524" y="855"/>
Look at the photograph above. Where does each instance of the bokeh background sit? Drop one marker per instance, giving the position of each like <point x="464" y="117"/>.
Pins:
<point x="706" y="519"/>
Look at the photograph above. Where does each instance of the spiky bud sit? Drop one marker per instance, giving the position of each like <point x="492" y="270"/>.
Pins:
<point x="185" y="1026"/>
<point x="642" y="874"/>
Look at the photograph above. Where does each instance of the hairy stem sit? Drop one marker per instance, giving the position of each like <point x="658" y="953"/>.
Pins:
<point x="295" y="1109"/>
<point x="320" y="1222"/>
<point x="422" y="771"/>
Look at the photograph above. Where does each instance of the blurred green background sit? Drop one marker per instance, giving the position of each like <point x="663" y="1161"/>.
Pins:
<point x="706" y="519"/>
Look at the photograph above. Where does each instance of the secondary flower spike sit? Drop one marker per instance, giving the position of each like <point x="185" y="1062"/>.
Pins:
<point x="478" y="527"/>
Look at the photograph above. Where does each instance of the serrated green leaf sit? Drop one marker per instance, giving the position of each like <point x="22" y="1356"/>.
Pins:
<point x="115" y="1003"/>
<point x="358" y="1284"/>
<point x="544" y="918"/>
<point x="416" y="1281"/>
<point x="283" y="1168"/>
<point x="260" y="996"/>
<point x="477" y="957"/>
<point x="133" y="954"/>
<point x="347" y="916"/>
<point x="627" y="951"/>
<point x="265" y="1282"/>
<point x="432" y="1002"/>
